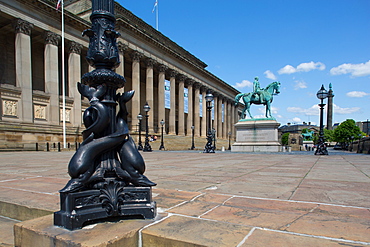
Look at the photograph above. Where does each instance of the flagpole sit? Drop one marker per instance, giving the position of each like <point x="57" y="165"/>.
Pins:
<point x="63" y="82"/>
<point x="156" y="17"/>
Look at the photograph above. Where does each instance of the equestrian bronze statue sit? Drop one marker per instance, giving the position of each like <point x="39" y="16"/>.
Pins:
<point x="259" y="96"/>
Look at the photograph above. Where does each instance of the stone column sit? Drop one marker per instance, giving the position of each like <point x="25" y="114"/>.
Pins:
<point x="219" y="119"/>
<point x="150" y="92"/>
<point x="224" y="125"/>
<point x="189" y="84"/>
<point x="233" y="120"/>
<point x="215" y="110"/>
<point x="161" y="102"/>
<point x="172" y="118"/>
<point x="204" y="112"/>
<point x="329" y="118"/>
<point x="52" y="75"/>
<point x="196" y="109"/>
<point x="181" y="113"/>
<point x="136" y="87"/>
<point x="74" y="76"/>
<point x="23" y="68"/>
<point x="121" y="69"/>
<point x="229" y="117"/>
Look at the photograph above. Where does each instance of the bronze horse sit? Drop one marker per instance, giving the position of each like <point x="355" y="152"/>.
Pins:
<point x="264" y="97"/>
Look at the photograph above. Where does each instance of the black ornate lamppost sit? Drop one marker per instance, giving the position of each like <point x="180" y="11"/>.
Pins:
<point x="147" y="147"/>
<point x="321" y="95"/>
<point x="214" y="138"/>
<point x="140" y="144"/>
<point x="229" y="140"/>
<point x="358" y="144"/>
<point x="161" y="147"/>
<point x="192" y="138"/>
<point x="209" y="148"/>
<point x="107" y="171"/>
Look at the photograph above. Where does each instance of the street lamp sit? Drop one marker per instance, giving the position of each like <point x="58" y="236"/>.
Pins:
<point x="140" y="145"/>
<point x="209" y="148"/>
<point x="147" y="147"/>
<point x="321" y="95"/>
<point x="229" y="140"/>
<point x="351" y="149"/>
<point x="358" y="144"/>
<point x="162" y="142"/>
<point x="192" y="137"/>
<point x="214" y="138"/>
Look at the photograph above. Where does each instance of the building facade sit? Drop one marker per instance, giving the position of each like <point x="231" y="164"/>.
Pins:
<point x="31" y="80"/>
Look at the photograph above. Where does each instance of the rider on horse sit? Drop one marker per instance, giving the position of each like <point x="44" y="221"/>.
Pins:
<point x="257" y="95"/>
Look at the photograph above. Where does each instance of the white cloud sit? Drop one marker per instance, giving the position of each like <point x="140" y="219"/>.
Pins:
<point x="244" y="83"/>
<point x="315" y="111"/>
<point x="303" y="67"/>
<point x="288" y="69"/>
<point x="356" y="70"/>
<point x="312" y="111"/>
<point x="300" y="85"/>
<point x="270" y="75"/>
<point x="296" y="120"/>
<point x="343" y="111"/>
<point x="357" y="94"/>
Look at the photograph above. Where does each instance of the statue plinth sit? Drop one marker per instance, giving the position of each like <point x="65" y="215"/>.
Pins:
<point x="257" y="135"/>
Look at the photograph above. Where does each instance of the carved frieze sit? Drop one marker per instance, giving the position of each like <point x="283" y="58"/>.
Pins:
<point x="39" y="111"/>
<point x="150" y="62"/>
<point x="181" y="77"/>
<point x="67" y="115"/>
<point x="22" y="26"/>
<point x="197" y="85"/>
<point x="51" y="38"/>
<point x="10" y="108"/>
<point x="136" y="56"/>
<point x="121" y="47"/>
<point x="173" y="73"/>
<point x="75" y="47"/>
<point x="162" y="68"/>
<point x="190" y="82"/>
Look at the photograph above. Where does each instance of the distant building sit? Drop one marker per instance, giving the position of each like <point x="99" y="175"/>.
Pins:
<point x="297" y="128"/>
<point x="364" y="127"/>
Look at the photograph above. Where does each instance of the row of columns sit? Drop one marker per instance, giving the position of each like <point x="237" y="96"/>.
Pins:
<point x="51" y="74"/>
<point x="195" y="89"/>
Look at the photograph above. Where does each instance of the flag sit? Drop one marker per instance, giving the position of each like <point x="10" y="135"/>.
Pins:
<point x="155" y="5"/>
<point x="58" y="4"/>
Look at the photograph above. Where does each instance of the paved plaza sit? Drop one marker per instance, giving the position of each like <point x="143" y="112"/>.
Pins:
<point x="222" y="199"/>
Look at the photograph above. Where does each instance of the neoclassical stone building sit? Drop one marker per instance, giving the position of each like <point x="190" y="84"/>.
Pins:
<point x="31" y="75"/>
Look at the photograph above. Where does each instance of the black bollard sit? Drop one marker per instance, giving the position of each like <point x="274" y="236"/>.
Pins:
<point x="58" y="146"/>
<point x="37" y="146"/>
<point x="47" y="147"/>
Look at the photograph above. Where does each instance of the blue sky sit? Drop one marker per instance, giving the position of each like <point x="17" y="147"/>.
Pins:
<point x="301" y="43"/>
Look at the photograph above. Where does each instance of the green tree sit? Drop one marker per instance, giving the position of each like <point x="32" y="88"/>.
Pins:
<point x="328" y="135"/>
<point x="347" y="131"/>
<point x="285" y="139"/>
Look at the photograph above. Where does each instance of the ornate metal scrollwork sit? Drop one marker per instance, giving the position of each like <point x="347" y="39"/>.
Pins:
<point x="107" y="162"/>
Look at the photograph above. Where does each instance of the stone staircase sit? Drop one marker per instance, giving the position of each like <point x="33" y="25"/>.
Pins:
<point x="180" y="143"/>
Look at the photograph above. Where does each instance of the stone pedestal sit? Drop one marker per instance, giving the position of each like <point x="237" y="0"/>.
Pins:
<point x="113" y="201"/>
<point x="256" y="135"/>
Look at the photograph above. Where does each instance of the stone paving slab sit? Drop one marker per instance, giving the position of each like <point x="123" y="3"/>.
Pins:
<point x="188" y="231"/>
<point x="301" y="200"/>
